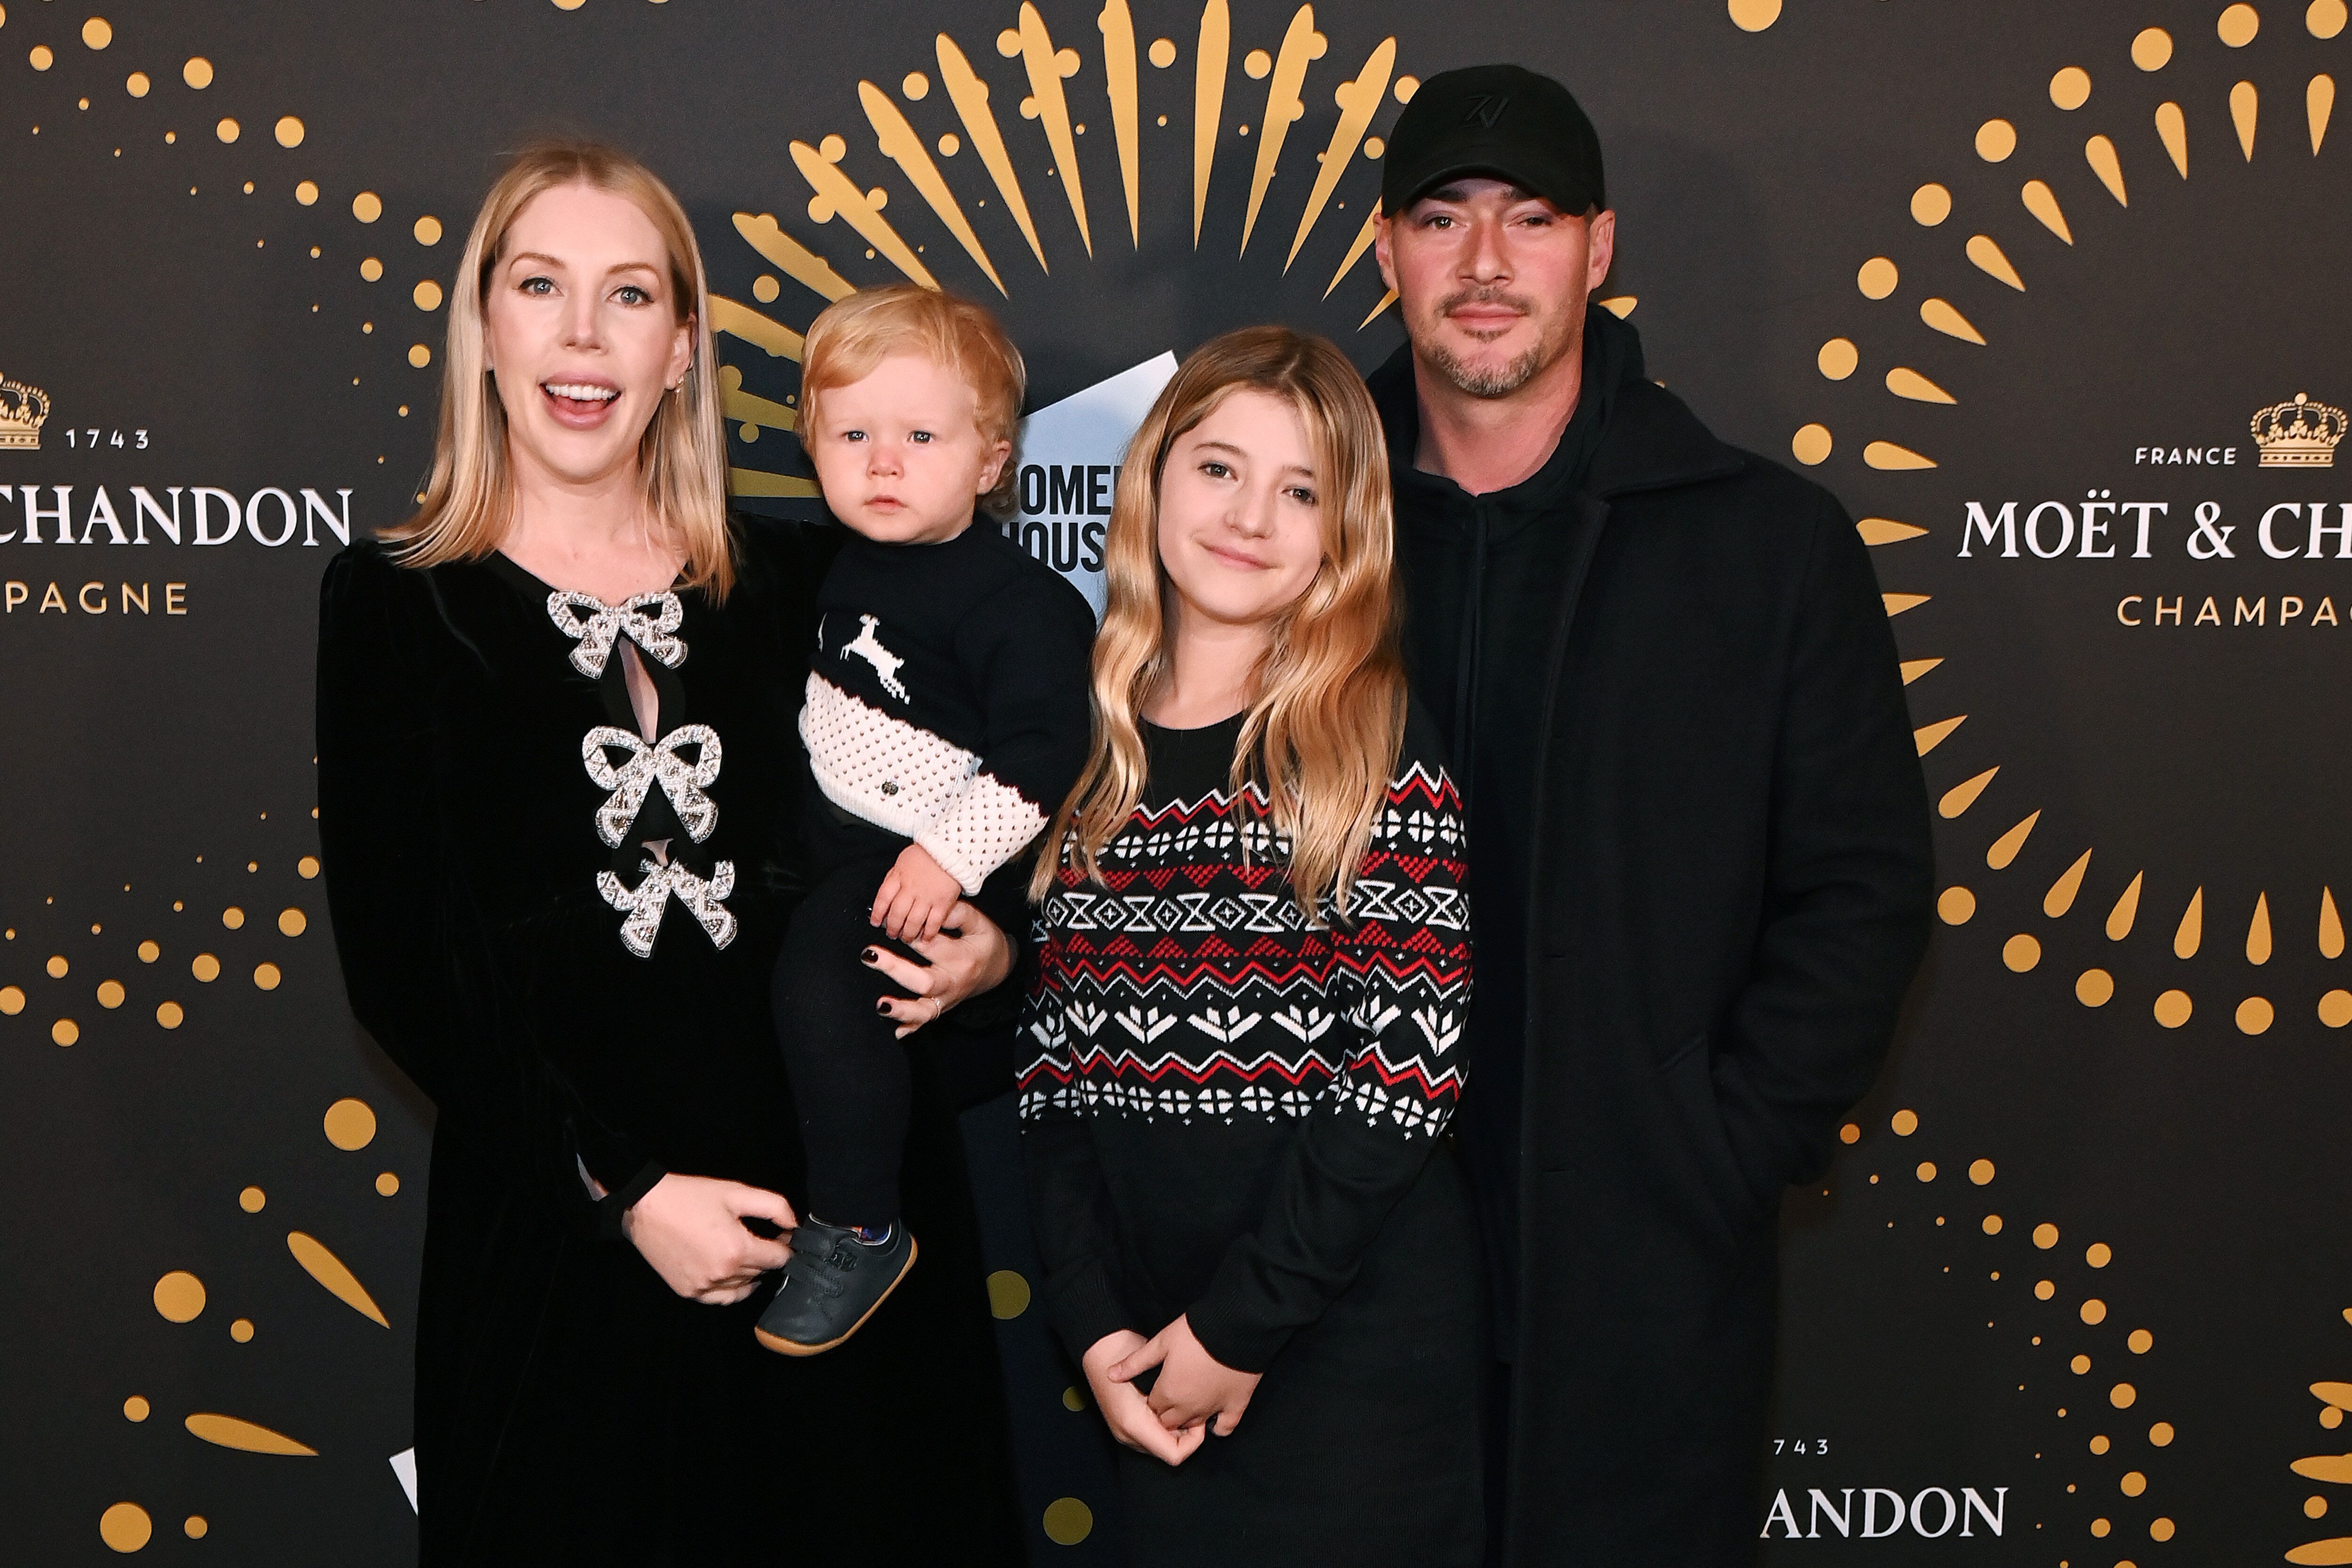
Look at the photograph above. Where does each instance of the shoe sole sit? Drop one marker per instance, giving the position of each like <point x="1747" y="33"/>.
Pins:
<point x="791" y="1347"/>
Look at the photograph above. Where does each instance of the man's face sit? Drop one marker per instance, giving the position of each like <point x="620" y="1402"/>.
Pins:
<point x="1491" y="281"/>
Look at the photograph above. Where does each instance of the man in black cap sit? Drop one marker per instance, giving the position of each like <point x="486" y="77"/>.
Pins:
<point x="1699" y="859"/>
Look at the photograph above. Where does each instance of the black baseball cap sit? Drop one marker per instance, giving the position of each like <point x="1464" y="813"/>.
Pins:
<point x="1505" y="123"/>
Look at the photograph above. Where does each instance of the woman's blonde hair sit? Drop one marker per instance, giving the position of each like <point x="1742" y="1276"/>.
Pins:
<point x="1326" y="721"/>
<point x="859" y="331"/>
<point x="682" y="456"/>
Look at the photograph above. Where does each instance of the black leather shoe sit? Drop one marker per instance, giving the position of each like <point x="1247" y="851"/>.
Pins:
<point x="833" y="1284"/>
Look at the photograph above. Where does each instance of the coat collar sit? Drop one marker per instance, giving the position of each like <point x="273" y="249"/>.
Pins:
<point x="1651" y="440"/>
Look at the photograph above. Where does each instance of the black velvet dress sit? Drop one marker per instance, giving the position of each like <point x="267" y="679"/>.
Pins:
<point x="576" y="1006"/>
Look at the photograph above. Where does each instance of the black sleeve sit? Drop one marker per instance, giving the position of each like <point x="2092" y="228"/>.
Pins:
<point x="1031" y="653"/>
<point x="421" y="978"/>
<point x="1848" y="884"/>
<point x="1403" y="983"/>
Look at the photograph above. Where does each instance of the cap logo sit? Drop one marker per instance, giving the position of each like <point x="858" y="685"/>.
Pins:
<point x="1486" y="109"/>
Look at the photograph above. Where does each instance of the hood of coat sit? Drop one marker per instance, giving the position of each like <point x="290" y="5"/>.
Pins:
<point x="1649" y="439"/>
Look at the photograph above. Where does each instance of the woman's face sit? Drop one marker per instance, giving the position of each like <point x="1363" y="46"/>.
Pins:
<point x="1241" y="520"/>
<point x="582" y="335"/>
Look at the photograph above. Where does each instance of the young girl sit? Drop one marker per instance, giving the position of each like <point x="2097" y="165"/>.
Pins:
<point x="1255" y="968"/>
<point x="946" y="713"/>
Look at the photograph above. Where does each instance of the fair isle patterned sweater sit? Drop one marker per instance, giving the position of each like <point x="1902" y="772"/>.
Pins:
<point x="1225" y="1102"/>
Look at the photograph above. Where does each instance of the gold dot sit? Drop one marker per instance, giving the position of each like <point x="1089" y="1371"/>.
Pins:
<point x="12" y="1000"/>
<point x="1996" y="140"/>
<point x="1008" y="1293"/>
<point x="135" y="1408"/>
<point x="137" y="85"/>
<point x="170" y="1015"/>
<point x="1927" y="1171"/>
<point x="2326" y="18"/>
<point x="1405" y="88"/>
<point x="1992" y="1227"/>
<point x="2160" y="1435"/>
<point x="2141" y="1342"/>
<point x="1980" y="1172"/>
<point x="1877" y="277"/>
<point x="241" y="1331"/>
<point x="371" y="269"/>
<point x="109" y="994"/>
<point x="1068" y="1522"/>
<point x="307" y="867"/>
<point x="2315" y="1507"/>
<point x="2098" y="1255"/>
<point x="2094" y="988"/>
<point x="1849" y="1134"/>
<point x="289" y="134"/>
<point x="1811" y="444"/>
<point x="427" y="230"/>
<point x="251" y="1199"/>
<point x="2080" y="1365"/>
<point x="950" y="145"/>
<point x="57" y="966"/>
<point x="195" y="1526"/>
<point x="1930" y="204"/>
<point x="427" y="295"/>
<point x="1838" y="358"/>
<point x="1905" y="1122"/>
<point x="197" y="73"/>
<point x="2238" y="25"/>
<point x="97" y="32"/>
<point x="765" y="288"/>
<point x="2331" y="1418"/>
<point x="367" y="206"/>
<point x="64" y="1031"/>
<point x="2152" y="49"/>
<point x="917" y="87"/>
<point x="2121" y="1396"/>
<point x="387" y="1184"/>
<point x="2094" y="1311"/>
<point x="1257" y="63"/>
<point x="2336" y="1008"/>
<point x="229" y="129"/>
<point x="351" y="1124"/>
<point x="233" y="918"/>
<point x="2045" y="1235"/>
<point x="2043" y="1289"/>
<point x="2134" y="1483"/>
<point x="1071" y="1399"/>
<point x="125" y="1527"/>
<point x="2172" y="1009"/>
<point x="266" y="975"/>
<point x="1753" y="15"/>
<point x="292" y="922"/>
<point x="2099" y="1527"/>
<point x="1375" y="149"/>
<point x="2099" y="1445"/>
<point x="180" y="1296"/>
<point x="307" y="193"/>
<point x="419" y="355"/>
<point x="2071" y="88"/>
<point x="2021" y="952"/>
<point x="41" y="58"/>
<point x="2255" y="1015"/>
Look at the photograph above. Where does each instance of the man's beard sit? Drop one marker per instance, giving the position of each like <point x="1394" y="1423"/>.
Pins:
<point x="1487" y="380"/>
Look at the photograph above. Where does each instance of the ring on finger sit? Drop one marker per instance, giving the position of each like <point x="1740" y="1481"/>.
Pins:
<point x="937" y="1008"/>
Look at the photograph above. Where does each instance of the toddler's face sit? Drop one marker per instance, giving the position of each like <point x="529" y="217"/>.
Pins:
<point x="899" y="452"/>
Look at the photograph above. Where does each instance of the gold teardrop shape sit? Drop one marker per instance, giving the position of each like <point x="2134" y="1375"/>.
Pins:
<point x="1930" y="735"/>
<point x="1990" y="260"/>
<point x="2043" y="202"/>
<point x="1906" y="382"/>
<point x="2319" y="102"/>
<point x="2331" y="927"/>
<point x="2258" y="932"/>
<point x="2100" y="154"/>
<point x="1886" y="456"/>
<point x="2172" y="129"/>
<point x="2192" y="927"/>
<point x="2245" y="108"/>
<point x="1914" y="668"/>
<point x="1887" y="531"/>
<point x="329" y="1271"/>
<point x="2004" y="848"/>
<point x="2062" y="893"/>
<point x="2126" y="910"/>
<point x="228" y="1432"/>
<point x="1960" y="797"/>
<point x="1940" y="315"/>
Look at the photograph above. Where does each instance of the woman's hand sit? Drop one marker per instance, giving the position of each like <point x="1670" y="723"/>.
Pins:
<point x="968" y="957"/>
<point x="1125" y="1409"/>
<point x="691" y="1228"/>
<point x="1194" y="1386"/>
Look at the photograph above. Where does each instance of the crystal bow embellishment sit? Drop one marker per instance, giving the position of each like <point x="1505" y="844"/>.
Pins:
<point x="659" y="763"/>
<point x="644" y="903"/>
<point x="596" y="624"/>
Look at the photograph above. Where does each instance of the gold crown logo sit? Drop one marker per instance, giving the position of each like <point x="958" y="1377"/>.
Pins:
<point x="23" y="408"/>
<point x="2298" y="435"/>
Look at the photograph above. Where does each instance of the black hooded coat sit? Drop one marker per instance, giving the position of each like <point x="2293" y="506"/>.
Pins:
<point x="1704" y="870"/>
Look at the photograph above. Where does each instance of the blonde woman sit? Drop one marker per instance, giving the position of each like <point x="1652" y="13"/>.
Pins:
<point x="1255" y="969"/>
<point x="559" y="779"/>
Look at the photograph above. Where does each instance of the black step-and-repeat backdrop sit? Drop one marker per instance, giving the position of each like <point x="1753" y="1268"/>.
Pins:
<point x="2051" y="295"/>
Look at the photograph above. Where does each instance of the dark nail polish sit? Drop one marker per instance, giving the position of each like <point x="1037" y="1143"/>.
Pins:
<point x="882" y="1007"/>
<point x="868" y="955"/>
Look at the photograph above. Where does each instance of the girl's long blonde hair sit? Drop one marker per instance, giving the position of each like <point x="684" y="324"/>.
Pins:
<point x="682" y="456"/>
<point x="1326" y="721"/>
